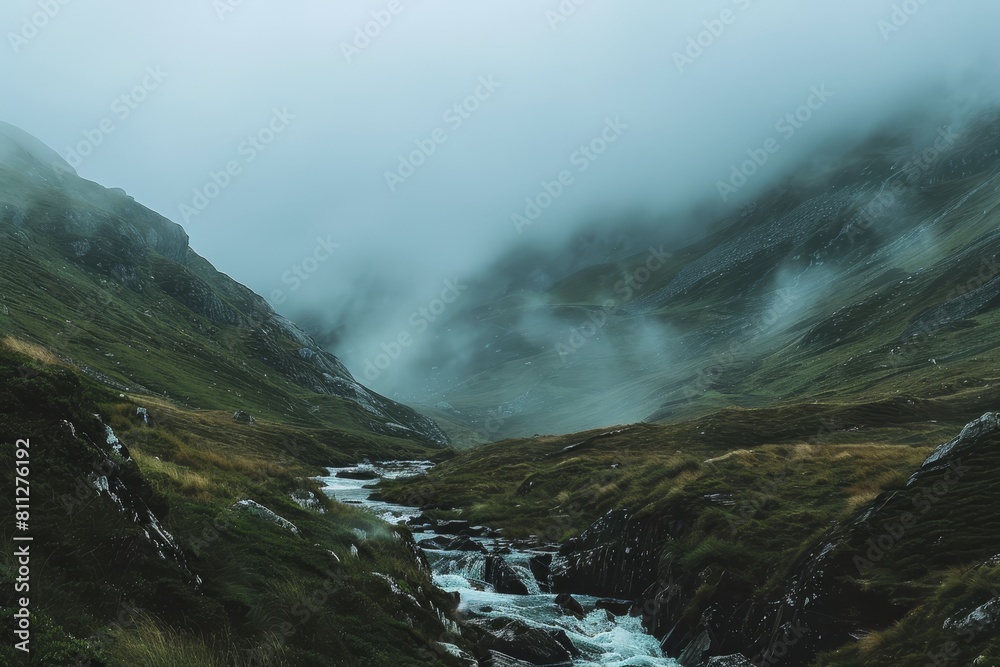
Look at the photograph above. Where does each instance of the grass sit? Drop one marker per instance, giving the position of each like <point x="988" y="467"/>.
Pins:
<point x="105" y="594"/>
<point x="149" y="644"/>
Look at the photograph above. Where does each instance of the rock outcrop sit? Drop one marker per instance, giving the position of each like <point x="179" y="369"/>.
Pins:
<point x="943" y="517"/>
<point x="617" y="556"/>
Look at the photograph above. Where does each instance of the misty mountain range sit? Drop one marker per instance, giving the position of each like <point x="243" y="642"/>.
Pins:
<point x="571" y="334"/>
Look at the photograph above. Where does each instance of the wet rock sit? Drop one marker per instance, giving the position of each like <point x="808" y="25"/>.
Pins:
<point x="735" y="660"/>
<point x="520" y="641"/>
<point x="458" y="527"/>
<point x="617" y="607"/>
<point x="981" y="622"/>
<point x="502" y="577"/>
<point x="569" y="605"/>
<point x="540" y="566"/>
<point x="356" y="474"/>
<point x="495" y="659"/>
<point x="617" y="556"/>
<point x="695" y="653"/>
<point x="421" y="520"/>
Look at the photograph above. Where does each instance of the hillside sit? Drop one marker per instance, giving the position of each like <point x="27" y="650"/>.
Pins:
<point x="815" y="482"/>
<point x="175" y="422"/>
<point x="868" y="270"/>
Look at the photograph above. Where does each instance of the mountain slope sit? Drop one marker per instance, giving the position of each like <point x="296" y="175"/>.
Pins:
<point x="91" y="274"/>
<point x="174" y="423"/>
<point x="790" y="500"/>
<point x="863" y="268"/>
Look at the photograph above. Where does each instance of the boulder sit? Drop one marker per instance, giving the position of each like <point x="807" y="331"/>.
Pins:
<point x="569" y="605"/>
<point x="502" y="577"/>
<point x="458" y="527"/>
<point x="540" y="566"/>
<point x="520" y="641"/>
<point x="616" y="607"/>
<point x="357" y="474"/>
<point x="617" y="556"/>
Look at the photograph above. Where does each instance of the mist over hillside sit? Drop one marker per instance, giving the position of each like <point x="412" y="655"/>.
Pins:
<point x="354" y="174"/>
<point x="631" y="314"/>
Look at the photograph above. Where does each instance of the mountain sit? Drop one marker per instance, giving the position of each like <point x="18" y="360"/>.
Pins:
<point x="806" y="475"/>
<point x="815" y="479"/>
<point x="866" y="271"/>
<point x="95" y="276"/>
<point x="171" y="425"/>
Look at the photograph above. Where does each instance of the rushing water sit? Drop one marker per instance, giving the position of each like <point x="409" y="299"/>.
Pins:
<point x="602" y="639"/>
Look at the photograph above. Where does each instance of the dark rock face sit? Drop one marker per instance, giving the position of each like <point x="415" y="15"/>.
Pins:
<point x="616" y="607"/>
<point x="503" y="578"/>
<point x="357" y="474"/>
<point x="520" y="641"/>
<point x="540" y="566"/>
<point x="569" y="605"/>
<point x="942" y="518"/>
<point x="735" y="660"/>
<point x="458" y="527"/>
<point x="617" y="556"/>
<point x="983" y="621"/>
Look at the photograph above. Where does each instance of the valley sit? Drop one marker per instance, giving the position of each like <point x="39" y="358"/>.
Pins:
<point x="772" y="444"/>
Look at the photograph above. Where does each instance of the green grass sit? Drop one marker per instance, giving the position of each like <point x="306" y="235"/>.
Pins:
<point x="101" y="592"/>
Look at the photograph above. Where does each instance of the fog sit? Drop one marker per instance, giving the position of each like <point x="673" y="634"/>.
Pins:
<point x="459" y="149"/>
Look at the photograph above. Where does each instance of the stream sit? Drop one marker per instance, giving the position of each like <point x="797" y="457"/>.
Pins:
<point x="601" y="638"/>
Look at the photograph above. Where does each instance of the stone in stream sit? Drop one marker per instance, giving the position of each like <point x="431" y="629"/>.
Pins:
<point x="735" y="660"/>
<point x="617" y="556"/>
<point x="421" y="520"/>
<point x="518" y="640"/>
<point x="569" y="605"/>
<point x="616" y="607"/>
<point x="448" y="543"/>
<point x="356" y="474"/>
<point x="502" y="577"/>
<point x="458" y="527"/>
<point x="500" y="660"/>
<point x="539" y="565"/>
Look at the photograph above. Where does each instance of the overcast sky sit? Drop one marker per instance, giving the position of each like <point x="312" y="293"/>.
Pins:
<point x="207" y="84"/>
